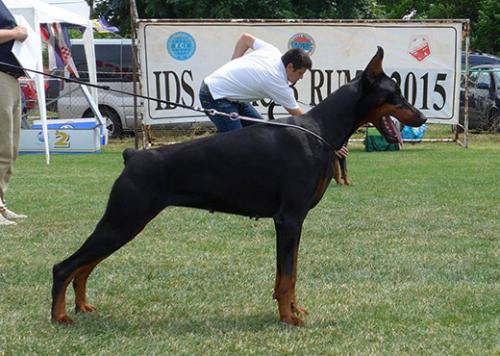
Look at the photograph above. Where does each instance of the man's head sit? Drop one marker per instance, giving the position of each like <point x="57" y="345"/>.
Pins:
<point x="296" y="62"/>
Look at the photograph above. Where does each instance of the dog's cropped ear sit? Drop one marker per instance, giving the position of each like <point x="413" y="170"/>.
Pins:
<point x="374" y="68"/>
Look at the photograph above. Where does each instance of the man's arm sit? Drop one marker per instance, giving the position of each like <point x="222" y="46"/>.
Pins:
<point x="244" y="43"/>
<point x="295" y="112"/>
<point x="18" y="33"/>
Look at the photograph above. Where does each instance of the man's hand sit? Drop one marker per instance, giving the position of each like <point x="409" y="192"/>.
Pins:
<point x="20" y="33"/>
<point x="342" y="153"/>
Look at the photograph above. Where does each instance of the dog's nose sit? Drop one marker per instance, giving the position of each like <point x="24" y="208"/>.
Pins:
<point x="422" y="118"/>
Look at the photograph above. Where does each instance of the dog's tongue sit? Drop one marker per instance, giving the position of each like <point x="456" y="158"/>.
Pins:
<point x="391" y="129"/>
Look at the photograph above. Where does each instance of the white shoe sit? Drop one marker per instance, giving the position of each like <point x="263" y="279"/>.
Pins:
<point x="4" y="221"/>
<point x="10" y="215"/>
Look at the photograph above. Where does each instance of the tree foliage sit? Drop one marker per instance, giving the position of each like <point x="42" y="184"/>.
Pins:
<point x="484" y="14"/>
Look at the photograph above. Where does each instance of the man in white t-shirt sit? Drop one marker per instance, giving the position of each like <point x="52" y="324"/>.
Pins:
<point x="259" y="74"/>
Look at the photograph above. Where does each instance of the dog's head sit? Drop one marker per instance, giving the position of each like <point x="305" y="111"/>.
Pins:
<point x="382" y="99"/>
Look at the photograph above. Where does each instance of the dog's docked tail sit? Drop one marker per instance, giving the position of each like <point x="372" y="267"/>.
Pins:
<point x="127" y="154"/>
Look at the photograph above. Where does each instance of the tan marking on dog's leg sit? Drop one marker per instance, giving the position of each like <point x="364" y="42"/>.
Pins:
<point x="276" y="284"/>
<point x="285" y="294"/>
<point x="284" y="297"/>
<point x="346" y="179"/>
<point x="59" y="309"/>
<point x="336" y="169"/>
<point x="296" y="310"/>
<point x="80" y="287"/>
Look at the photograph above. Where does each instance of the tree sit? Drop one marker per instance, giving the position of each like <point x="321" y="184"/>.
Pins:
<point x="484" y="14"/>
<point x="486" y="34"/>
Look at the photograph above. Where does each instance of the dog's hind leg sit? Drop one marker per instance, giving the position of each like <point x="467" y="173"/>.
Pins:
<point x="343" y="170"/>
<point x="127" y="214"/>
<point x="336" y="170"/>
<point x="288" y="230"/>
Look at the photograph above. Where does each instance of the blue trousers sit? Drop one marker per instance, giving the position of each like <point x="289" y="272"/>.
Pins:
<point x="223" y="123"/>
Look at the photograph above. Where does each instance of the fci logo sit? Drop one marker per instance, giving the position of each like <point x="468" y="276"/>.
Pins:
<point x="181" y="46"/>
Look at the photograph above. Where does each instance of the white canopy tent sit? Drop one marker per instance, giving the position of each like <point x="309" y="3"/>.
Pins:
<point x="79" y="7"/>
<point x="36" y="12"/>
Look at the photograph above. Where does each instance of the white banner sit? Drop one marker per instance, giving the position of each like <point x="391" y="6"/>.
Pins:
<point x="424" y="58"/>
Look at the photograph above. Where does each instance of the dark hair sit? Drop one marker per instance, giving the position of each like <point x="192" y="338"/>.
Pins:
<point x="298" y="57"/>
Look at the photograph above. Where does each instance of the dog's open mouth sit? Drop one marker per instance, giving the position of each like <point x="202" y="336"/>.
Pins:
<point x="389" y="130"/>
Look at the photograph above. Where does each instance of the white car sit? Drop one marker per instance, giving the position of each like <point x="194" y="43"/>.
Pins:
<point x="114" y="69"/>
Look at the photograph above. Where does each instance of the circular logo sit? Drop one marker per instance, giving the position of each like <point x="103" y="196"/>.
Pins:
<point x="39" y="137"/>
<point x="303" y="41"/>
<point x="181" y="46"/>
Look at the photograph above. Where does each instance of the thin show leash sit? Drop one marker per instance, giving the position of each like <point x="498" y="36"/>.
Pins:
<point x="211" y="112"/>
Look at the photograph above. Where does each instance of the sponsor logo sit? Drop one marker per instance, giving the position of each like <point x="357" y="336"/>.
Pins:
<point x="39" y="137"/>
<point x="181" y="46"/>
<point x="304" y="41"/>
<point x="419" y="47"/>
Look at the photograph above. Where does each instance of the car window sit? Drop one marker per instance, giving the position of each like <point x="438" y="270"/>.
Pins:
<point x="127" y="64"/>
<point x="473" y="78"/>
<point x="494" y="60"/>
<point x="478" y="59"/>
<point x="484" y="78"/>
<point x="78" y="54"/>
<point x="108" y="62"/>
<point x="108" y="59"/>
<point x="481" y="60"/>
<point x="496" y="76"/>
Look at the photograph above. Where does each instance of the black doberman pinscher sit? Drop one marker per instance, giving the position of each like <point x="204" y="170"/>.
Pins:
<point x="258" y="171"/>
<point x="339" y="163"/>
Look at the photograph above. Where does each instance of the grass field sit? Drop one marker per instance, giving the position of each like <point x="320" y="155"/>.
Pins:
<point x="405" y="261"/>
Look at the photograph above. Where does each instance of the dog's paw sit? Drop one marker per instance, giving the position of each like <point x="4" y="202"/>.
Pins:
<point x="293" y="320"/>
<point x="298" y="311"/>
<point x="85" y="308"/>
<point x="62" y="319"/>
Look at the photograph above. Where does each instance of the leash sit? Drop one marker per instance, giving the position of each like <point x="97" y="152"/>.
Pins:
<point x="211" y="112"/>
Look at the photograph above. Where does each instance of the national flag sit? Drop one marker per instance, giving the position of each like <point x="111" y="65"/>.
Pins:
<point x="102" y="26"/>
<point x="59" y="48"/>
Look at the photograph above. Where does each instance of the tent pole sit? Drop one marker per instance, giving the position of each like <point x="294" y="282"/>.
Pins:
<point x="40" y="87"/>
<point x="133" y="31"/>
<point x="466" y="84"/>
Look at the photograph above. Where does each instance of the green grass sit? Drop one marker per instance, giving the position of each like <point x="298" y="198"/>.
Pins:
<point x="406" y="261"/>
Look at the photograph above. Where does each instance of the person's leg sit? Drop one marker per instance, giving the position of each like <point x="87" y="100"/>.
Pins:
<point x="222" y="123"/>
<point x="16" y="129"/>
<point x="7" y="102"/>
<point x="248" y="110"/>
<point x="17" y="124"/>
<point x="10" y="130"/>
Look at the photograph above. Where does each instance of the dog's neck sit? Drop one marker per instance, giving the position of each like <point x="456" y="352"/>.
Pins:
<point x="336" y="117"/>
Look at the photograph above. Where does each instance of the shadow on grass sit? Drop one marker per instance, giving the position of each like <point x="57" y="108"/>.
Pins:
<point x="206" y="324"/>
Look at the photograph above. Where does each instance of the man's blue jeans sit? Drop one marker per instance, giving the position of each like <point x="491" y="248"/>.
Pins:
<point x="225" y="123"/>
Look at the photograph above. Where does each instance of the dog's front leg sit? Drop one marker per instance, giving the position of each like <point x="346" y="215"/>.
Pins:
<point x="288" y="230"/>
